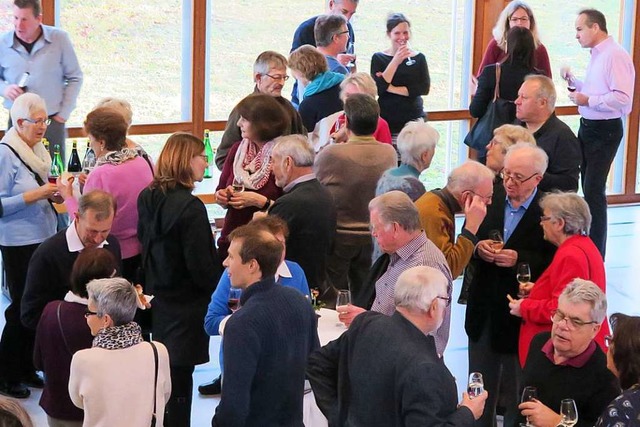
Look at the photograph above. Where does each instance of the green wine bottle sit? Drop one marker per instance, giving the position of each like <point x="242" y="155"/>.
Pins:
<point x="208" y="151"/>
<point x="57" y="166"/>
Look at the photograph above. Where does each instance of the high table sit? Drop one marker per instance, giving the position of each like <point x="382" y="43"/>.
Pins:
<point x="329" y="328"/>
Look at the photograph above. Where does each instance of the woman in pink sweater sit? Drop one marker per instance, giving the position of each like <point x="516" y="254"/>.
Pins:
<point x="120" y="172"/>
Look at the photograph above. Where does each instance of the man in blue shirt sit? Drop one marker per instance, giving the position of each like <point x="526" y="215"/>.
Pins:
<point x="40" y="59"/>
<point x="332" y="35"/>
<point x="493" y="332"/>
<point x="305" y="35"/>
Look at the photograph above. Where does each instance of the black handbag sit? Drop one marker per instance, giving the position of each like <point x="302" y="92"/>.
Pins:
<point x="499" y="112"/>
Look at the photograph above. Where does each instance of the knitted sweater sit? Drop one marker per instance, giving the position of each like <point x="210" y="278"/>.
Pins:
<point x="266" y="346"/>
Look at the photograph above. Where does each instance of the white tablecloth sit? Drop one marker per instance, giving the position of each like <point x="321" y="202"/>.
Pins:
<point x="329" y="328"/>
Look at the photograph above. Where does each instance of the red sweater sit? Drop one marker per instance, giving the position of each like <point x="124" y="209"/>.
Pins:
<point x="577" y="257"/>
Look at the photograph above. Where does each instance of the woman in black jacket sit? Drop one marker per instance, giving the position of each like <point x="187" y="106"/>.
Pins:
<point x="180" y="263"/>
<point x="519" y="62"/>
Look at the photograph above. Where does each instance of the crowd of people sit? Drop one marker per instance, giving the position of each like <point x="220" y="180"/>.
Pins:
<point x="323" y="196"/>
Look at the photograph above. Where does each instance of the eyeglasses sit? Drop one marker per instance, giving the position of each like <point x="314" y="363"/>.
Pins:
<point x="515" y="20"/>
<point x="608" y="340"/>
<point x="447" y="299"/>
<point x="343" y="32"/>
<point x="572" y="323"/>
<point x="278" y="77"/>
<point x="88" y="313"/>
<point x="45" y="122"/>
<point x="485" y="199"/>
<point x="518" y="180"/>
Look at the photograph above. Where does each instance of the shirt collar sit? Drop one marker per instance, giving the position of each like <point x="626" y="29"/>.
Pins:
<point x="577" y="361"/>
<point x="526" y="203"/>
<point x="359" y="139"/>
<point x="410" y="248"/>
<point x="283" y="271"/>
<point x="73" y="240"/>
<point x="300" y="179"/>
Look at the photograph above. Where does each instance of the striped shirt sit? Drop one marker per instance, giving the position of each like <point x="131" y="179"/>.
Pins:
<point x="419" y="251"/>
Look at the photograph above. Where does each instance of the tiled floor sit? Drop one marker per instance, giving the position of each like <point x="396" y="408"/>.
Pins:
<point x="623" y="292"/>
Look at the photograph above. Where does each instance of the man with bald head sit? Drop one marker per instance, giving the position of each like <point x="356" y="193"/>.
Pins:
<point x="492" y="331"/>
<point x="469" y="190"/>
<point x="385" y="370"/>
<point x="535" y="110"/>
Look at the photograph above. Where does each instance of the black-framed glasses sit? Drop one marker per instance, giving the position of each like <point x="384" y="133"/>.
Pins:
<point x="506" y="175"/>
<point x="515" y="20"/>
<point x="45" y="122"/>
<point x="572" y="323"/>
<point x="343" y="32"/>
<point x="608" y="340"/>
<point x="447" y="299"/>
<point x="88" y="313"/>
<point x="277" y="76"/>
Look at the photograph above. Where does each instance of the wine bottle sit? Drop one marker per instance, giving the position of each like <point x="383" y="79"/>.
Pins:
<point x="89" y="160"/>
<point x="74" y="164"/>
<point x="57" y="167"/>
<point x="208" y="151"/>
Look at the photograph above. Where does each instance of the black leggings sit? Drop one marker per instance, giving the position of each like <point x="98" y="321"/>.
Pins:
<point x="178" y="410"/>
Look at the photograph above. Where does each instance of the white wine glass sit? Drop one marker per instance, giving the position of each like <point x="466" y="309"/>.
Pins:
<point x="569" y="412"/>
<point x="529" y="393"/>
<point x="342" y="302"/>
<point x="523" y="275"/>
<point x="237" y="184"/>
<point x="351" y="50"/>
<point x="476" y="385"/>
<point x="497" y="243"/>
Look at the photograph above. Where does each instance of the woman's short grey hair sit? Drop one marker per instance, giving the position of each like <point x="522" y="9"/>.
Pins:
<point x="25" y="106"/>
<point x="414" y="139"/>
<point x="362" y="81"/>
<point x="295" y="146"/>
<point x="396" y="206"/>
<point x="468" y="176"/>
<point x="538" y="156"/>
<point x="409" y="185"/>
<point x="585" y="291"/>
<point x="417" y="287"/>
<point x="114" y="296"/>
<point x="122" y="106"/>
<point x="572" y="209"/>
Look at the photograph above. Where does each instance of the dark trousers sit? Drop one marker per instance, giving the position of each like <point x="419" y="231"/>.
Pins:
<point x="16" y="344"/>
<point x="56" y="133"/>
<point x="178" y="410"/>
<point x="501" y="373"/>
<point x="599" y="141"/>
<point x="348" y="266"/>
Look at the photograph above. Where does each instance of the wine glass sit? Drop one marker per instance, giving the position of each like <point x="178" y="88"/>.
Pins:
<point x="523" y="275"/>
<point x="237" y="184"/>
<point x="476" y="385"/>
<point x="343" y="300"/>
<point x="528" y="394"/>
<point x="569" y="412"/>
<point x="497" y="243"/>
<point x="351" y="50"/>
<point x="234" y="299"/>
<point x="410" y="60"/>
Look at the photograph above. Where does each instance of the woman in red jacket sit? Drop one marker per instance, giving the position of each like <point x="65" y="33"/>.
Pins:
<point x="566" y="222"/>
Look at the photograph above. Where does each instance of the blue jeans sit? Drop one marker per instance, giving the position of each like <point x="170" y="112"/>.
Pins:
<point x="599" y="141"/>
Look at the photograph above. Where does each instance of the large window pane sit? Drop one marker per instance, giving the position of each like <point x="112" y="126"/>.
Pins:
<point x="6" y="24"/>
<point x="132" y="50"/>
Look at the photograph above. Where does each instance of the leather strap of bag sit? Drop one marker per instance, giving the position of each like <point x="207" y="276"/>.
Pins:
<point x="496" y="90"/>
<point x="155" y="383"/>
<point x="64" y="338"/>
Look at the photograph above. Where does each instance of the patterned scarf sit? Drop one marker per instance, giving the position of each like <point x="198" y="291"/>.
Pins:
<point x="117" y="157"/>
<point x="118" y="337"/>
<point x="253" y="166"/>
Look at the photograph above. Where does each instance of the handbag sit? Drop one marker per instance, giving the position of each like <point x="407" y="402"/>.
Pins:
<point x="155" y="383"/>
<point x="499" y="112"/>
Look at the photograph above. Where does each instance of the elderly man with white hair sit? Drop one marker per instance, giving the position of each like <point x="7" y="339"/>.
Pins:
<point x="493" y="333"/>
<point x="416" y="144"/>
<point x="469" y="190"/>
<point x="384" y="369"/>
<point x="568" y="364"/>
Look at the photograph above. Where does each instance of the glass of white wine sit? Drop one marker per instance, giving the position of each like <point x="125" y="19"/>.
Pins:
<point x="476" y="385"/>
<point x="497" y="243"/>
<point x="343" y="300"/>
<point x="523" y="275"/>
<point x="238" y="184"/>
<point x="569" y="412"/>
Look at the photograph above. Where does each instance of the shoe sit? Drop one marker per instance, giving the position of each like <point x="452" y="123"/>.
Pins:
<point x="211" y="389"/>
<point x="15" y="390"/>
<point x="33" y="380"/>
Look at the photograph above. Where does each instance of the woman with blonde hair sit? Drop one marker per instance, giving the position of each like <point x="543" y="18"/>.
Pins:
<point x="174" y="230"/>
<point x="504" y="137"/>
<point x="516" y="14"/>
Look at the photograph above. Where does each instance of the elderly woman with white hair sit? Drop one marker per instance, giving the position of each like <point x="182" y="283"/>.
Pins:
<point x="122" y="380"/>
<point x="566" y="221"/>
<point x="28" y="219"/>
<point x="416" y="144"/>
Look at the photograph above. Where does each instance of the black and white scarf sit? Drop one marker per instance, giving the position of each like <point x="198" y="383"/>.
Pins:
<point x="118" y="337"/>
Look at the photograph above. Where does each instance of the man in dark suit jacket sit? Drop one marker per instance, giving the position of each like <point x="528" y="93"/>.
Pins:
<point x="385" y="371"/>
<point x="493" y="332"/>
<point x="307" y="207"/>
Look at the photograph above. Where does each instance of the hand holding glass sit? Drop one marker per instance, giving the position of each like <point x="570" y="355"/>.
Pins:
<point x="523" y="275"/>
<point x="343" y="300"/>
<point x="496" y="240"/>
<point x="476" y="385"/>
<point x="528" y="394"/>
